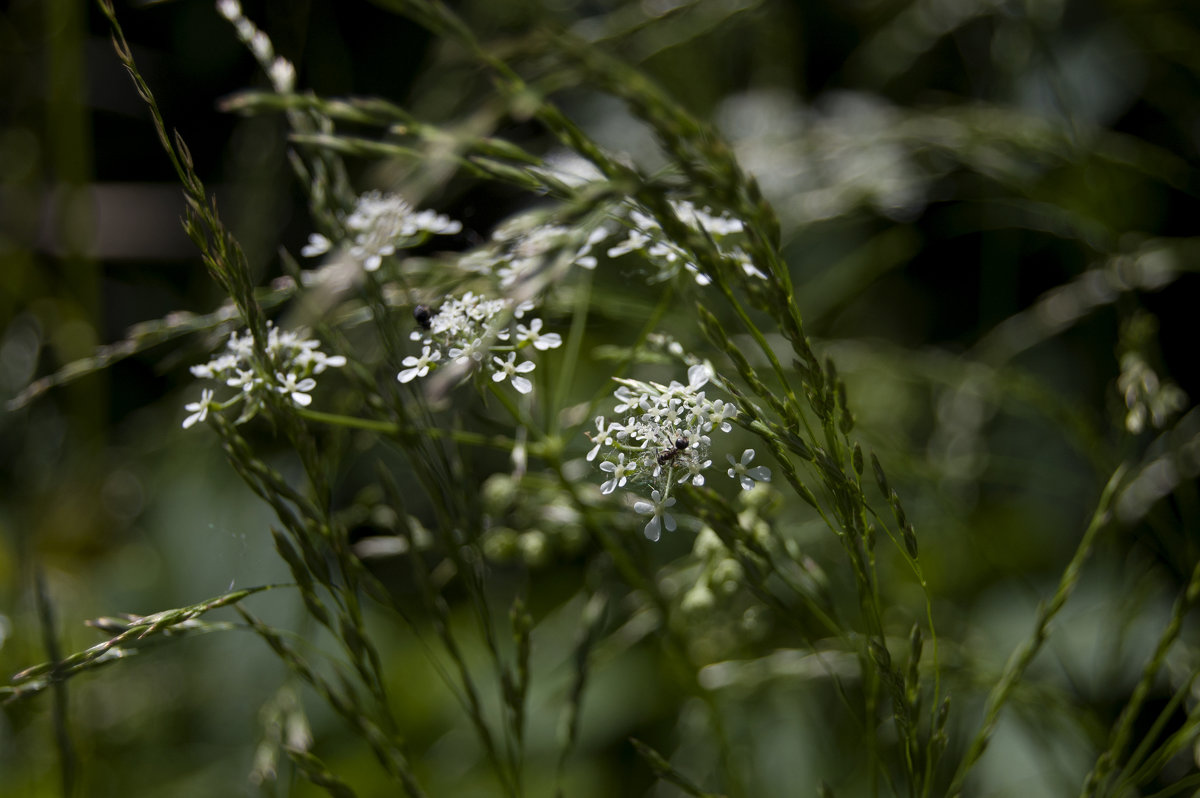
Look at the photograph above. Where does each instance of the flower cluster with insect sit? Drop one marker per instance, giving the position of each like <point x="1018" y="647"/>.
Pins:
<point x="665" y="439"/>
<point x="293" y="361"/>
<point x="474" y="332"/>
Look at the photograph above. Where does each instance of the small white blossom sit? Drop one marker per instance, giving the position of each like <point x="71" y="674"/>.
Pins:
<point x="296" y="389"/>
<point x="318" y="361"/>
<point x="533" y="335"/>
<point x="317" y="245"/>
<point x="418" y="366"/>
<point x="694" y="471"/>
<point x="471" y="351"/>
<point x="657" y="508"/>
<point x="747" y="476"/>
<point x="198" y="410"/>
<point x="583" y="257"/>
<point x="243" y="379"/>
<point x="603" y="438"/>
<point x="510" y="369"/>
<point x="620" y="471"/>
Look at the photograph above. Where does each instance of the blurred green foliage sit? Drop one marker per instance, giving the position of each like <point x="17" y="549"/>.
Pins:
<point x="949" y="178"/>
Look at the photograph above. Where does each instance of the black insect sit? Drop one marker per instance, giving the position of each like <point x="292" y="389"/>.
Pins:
<point x="423" y="316"/>
<point x="667" y="455"/>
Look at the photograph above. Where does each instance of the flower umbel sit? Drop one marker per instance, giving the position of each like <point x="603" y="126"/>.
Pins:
<point x="379" y="225"/>
<point x="663" y="440"/>
<point x="473" y="331"/>
<point x="292" y="362"/>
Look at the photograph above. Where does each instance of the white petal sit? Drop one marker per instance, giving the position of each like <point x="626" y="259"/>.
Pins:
<point x="652" y="529"/>
<point x="761" y="473"/>
<point x="317" y="245"/>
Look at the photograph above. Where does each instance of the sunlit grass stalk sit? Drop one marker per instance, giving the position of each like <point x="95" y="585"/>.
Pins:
<point x="1106" y="763"/>
<point x="219" y="251"/>
<point x="1024" y="654"/>
<point x="1146" y="761"/>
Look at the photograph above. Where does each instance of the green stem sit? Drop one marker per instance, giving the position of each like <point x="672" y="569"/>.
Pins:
<point x="1023" y="656"/>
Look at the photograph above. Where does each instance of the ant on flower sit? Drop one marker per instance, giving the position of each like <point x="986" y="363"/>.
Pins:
<point x="667" y="455"/>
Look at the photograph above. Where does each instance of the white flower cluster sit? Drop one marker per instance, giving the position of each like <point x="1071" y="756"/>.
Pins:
<point x="522" y="246"/>
<point x="664" y="440"/>
<point x="294" y="361"/>
<point x="472" y="328"/>
<point x="280" y="70"/>
<point x="646" y="235"/>
<point x="379" y="225"/>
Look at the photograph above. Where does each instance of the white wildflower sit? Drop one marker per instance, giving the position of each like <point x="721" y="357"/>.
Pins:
<point x="199" y="410"/>
<point x="657" y="509"/>
<point x="533" y="335"/>
<point x="418" y="366"/>
<point x="296" y="389"/>
<point x="620" y="471"/>
<point x="744" y="475"/>
<point x="511" y="370"/>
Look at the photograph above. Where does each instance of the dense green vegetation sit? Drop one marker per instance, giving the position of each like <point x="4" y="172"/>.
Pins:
<point x="596" y="398"/>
